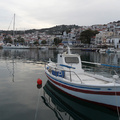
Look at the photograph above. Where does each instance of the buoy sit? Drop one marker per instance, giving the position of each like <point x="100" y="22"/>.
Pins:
<point x="39" y="81"/>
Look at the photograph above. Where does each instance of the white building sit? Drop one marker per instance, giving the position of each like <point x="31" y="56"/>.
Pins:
<point x="102" y="37"/>
<point x="115" y="40"/>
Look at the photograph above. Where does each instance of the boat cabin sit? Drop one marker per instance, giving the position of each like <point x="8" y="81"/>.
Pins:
<point x="70" y="61"/>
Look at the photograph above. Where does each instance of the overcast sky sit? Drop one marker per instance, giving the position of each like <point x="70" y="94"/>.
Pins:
<point x="39" y="14"/>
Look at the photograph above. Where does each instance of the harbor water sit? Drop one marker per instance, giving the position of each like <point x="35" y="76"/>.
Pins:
<point x="22" y="99"/>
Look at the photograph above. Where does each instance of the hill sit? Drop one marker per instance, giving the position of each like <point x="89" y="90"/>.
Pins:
<point x="56" y="30"/>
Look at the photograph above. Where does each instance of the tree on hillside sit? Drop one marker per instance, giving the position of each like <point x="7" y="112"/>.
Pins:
<point x="57" y="41"/>
<point x="43" y="42"/>
<point x="86" y="35"/>
<point x="20" y="40"/>
<point x="7" y="39"/>
<point x="36" y="42"/>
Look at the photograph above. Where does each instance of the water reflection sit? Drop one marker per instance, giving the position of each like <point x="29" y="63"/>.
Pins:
<point x="35" y="55"/>
<point x="32" y="54"/>
<point x="111" y="58"/>
<point x="18" y="99"/>
<point x="39" y="86"/>
<point x="68" y="108"/>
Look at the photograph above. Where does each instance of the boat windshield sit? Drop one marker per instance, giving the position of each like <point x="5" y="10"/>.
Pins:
<point x="71" y="60"/>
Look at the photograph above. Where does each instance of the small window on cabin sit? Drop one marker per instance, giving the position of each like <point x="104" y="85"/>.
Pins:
<point x="71" y="60"/>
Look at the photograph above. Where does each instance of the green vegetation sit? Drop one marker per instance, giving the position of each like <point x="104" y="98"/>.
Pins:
<point x="36" y="43"/>
<point x="43" y="42"/>
<point x="57" y="41"/>
<point x="7" y="39"/>
<point x="87" y="35"/>
<point x="20" y="39"/>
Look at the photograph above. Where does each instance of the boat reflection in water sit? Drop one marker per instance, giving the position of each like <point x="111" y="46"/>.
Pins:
<point x="67" y="108"/>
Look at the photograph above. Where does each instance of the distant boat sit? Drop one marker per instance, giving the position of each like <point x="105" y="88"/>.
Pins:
<point x="102" y="50"/>
<point x="44" y="47"/>
<point x="117" y="50"/>
<point x="110" y="50"/>
<point x="13" y="46"/>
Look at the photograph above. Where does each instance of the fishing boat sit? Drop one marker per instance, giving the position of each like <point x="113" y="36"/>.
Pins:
<point x="68" y="76"/>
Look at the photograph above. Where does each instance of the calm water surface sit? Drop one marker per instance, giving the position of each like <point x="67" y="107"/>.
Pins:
<point x="21" y="99"/>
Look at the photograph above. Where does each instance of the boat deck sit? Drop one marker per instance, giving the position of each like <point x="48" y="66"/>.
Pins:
<point x="86" y="79"/>
<point x="83" y="77"/>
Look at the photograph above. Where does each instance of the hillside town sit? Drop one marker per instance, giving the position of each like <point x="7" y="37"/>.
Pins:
<point x="108" y="35"/>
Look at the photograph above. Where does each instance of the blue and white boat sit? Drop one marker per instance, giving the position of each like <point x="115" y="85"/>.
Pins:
<point x="68" y="76"/>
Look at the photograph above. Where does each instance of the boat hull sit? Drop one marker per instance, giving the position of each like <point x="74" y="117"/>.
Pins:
<point x="76" y="108"/>
<point x="108" y="98"/>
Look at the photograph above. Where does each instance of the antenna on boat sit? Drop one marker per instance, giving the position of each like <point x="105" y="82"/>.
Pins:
<point x="69" y="52"/>
<point x="49" y="60"/>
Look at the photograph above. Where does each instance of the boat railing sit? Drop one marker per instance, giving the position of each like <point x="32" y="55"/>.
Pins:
<point x="60" y="72"/>
<point x="70" y="72"/>
<point x="98" y="70"/>
<point x="105" y="71"/>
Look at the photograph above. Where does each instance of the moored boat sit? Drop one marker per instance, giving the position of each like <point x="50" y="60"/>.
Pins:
<point x="110" y="50"/>
<point x="44" y="47"/>
<point x="12" y="46"/>
<point x="69" y="77"/>
<point x="102" y="50"/>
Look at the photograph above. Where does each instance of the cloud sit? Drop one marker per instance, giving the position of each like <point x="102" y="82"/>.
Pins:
<point x="47" y="13"/>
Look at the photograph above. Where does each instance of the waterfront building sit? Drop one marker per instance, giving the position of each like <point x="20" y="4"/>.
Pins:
<point x="114" y="40"/>
<point x="102" y="36"/>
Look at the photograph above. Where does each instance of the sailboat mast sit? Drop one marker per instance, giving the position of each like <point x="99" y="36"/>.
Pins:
<point x="13" y="43"/>
<point x="13" y="28"/>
